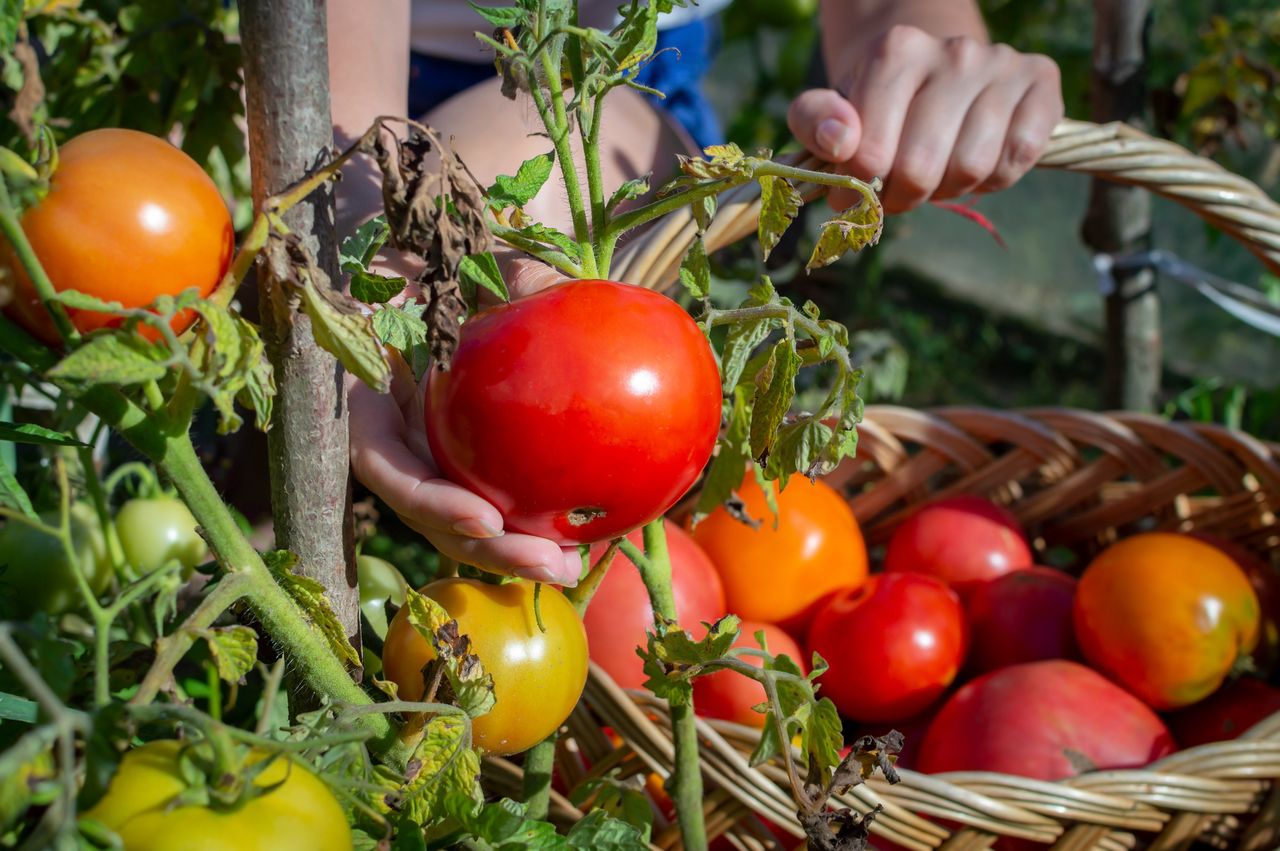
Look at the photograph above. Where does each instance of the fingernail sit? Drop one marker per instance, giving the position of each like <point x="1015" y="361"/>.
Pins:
<point x="572" y="569"/>
<point x="830" y="135"/>
<point x="474" y="527"/>
<point x="540" y="573"/>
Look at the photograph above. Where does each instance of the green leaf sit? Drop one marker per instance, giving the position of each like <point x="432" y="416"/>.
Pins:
<point x="310" y="595"/>
<point x="503" y="825"/>
<point x="10" y="20"/>
<point x="360" y="247"/>
<point x="37" y="435"/>
<point x="442" y="767"/>
<point x="77" y="300"/>
<point x="775" y="390"/>
<point x="779" y="204"/>
<point x="372" y="288"/>
<point x="480" y="271"/>
<point x="234" y="650"/>
<point x="472" y="686"/>
<point x="15" y="708"/>
<point x="798" y="448"/>
<point x="636" y="35"/>
<point x="617" y="799"/>
<point x="853" y="230"/>
<point x="628" y="191"/>
<point x="12" y="494"/>
<point x="740" y="341"/>
<point x="506" y="16"/>
<point x="695" y="270"/>
<point x="672" y="656"/>
<point x="403" y="328"/>
<point x="598" y="832"/>
<point x="114" y="357"/>
<point x="346" y="333"/>
<point x="519" y="190"/>
<point x="550" y="236"/>
<point x="27" y="774"/>
<point x="730" y="462"/>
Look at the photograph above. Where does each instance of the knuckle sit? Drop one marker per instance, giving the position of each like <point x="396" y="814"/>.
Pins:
<point x="964" y="53"/>
<point x="873" y="159"/>
<point x="970" y="170"/>
<point x="900" y="39"/>
<point x="1043" y="68"/>
<point x="1021" y="153"/>
<point x="916" y="172"/>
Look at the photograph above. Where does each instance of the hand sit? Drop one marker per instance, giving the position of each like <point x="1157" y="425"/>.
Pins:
<point x="389" y="454"/>
<point x="934" y="117"/>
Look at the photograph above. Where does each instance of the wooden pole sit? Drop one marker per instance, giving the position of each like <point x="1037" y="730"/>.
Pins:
<point x="1118" y="220"/>
<point x="287" y="93"/>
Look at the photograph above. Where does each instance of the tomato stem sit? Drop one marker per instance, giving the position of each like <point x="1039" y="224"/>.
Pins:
<point x="580" y="595"/>
<point x="539" y="762"/>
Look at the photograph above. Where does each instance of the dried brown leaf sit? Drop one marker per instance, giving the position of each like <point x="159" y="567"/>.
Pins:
<point x="31" y="95"/>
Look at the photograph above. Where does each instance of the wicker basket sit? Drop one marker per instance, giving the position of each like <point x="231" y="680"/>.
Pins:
<point x="1074" y="479"/>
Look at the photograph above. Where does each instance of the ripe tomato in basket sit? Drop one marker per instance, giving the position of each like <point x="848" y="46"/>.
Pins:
<point x="1023" y="616"/>
<point x="1166" y="616"/>
<point x="1046" y="720"/>
<point x="963" y="540"/>
<point x="620" y="614"/>
<point x="780" y="574"/>
<point x="1225" y="714"/>
<point x="731" y="696"/>
<point x="581" y="412"/>
<point x="1265" y="579"/>
<point x="893" y="645"/>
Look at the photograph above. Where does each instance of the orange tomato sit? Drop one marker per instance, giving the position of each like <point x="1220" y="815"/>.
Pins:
<point x="780" y="575"/>
<point x="1166" y="616"/>
<point x="128" y="217"/>
<point x="729" y="695"/>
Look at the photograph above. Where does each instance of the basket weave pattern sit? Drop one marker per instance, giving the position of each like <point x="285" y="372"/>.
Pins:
<point x="1077" y="481"/>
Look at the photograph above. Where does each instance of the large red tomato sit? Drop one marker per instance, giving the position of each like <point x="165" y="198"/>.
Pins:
<point x="729" y="695"/>
<point x="1166" y="616"/>
<point x="1023" y="616"/>
<point x="963" y="540"/>
<point x="1048" y="720"/>
<point x="1225" y="714"/>
<point x="620" y="613"/>
<point x="128" y="217"/>
<point x="779" y="575"/>
<point x="537" y="676"/>
<point x="893" y="645"/>
<point x="582" y="412"/>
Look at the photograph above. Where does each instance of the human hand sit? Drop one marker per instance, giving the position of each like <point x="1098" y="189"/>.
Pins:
<point x="390" y="455"/>
<point x="934" y="117"/>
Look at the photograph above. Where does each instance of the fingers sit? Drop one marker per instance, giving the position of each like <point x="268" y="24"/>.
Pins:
<point x="525" y="556"/>
<point x="526" y="276"/>
<point x="1030" y="128"/>
<point x="825" y="123"/>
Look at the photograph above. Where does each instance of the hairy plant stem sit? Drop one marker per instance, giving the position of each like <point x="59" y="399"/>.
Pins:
<point x="685" y="784"/>
<point x="589" y="125"/>
<point x="539" y="762"/>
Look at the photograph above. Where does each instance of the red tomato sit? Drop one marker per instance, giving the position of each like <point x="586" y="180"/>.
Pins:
<point x="582" y="412"/>
<point x="620" y="614"/>
<point x="962" y="540"/>
<point x="780" y="575"/>
<point x="1225" y="714"/>
<point x="1265" y="579"/>
<point x="1166" y="616"/>
<point x="1046" y="720"/>
<point x="893" y="645"/>
<point x="729" y="695"/>
<point x="128" y="217"/>
<point x="1024" y="616"/>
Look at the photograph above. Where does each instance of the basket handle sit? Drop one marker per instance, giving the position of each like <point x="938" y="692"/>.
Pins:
<point x="1115" y="151"/>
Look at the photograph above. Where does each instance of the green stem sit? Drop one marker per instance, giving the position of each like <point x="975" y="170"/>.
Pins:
<point x="539" y="762"/>
<point x="99" y="499"/>
<point x="589" y="126"/>
<point x="550" y="256"/>
<point x="685" y="784"/>
<point x="667" y="205"/>
<point x="26" y="255"/>
<point x="580" y="595"/>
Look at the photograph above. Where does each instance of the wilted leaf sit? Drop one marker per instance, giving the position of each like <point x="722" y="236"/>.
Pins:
<point x="775" y="389"/>
<point x="347" y="334"/>
<point x="113" y="357"/>
<point x="695" y="271"/>
<point x="853" y="230"/>
<point x="779" y="204"/>
<point x="442" y="766"/>
<point x="472" y="686"/>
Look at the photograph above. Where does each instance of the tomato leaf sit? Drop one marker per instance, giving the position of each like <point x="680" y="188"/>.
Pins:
<point x="672" y="656"/>
<point x="508" y="191"/>
<point x="775" y="390"/>
<point x="598" y="832"/>
<point x="779" y="204"/>
<point x="234" y="650"/>
<point x="372" y="288"/>
<point x="472" y="686"/>
<point x="550" y="236"/>
<point x="37" y="435"/>
<point x="10" y="21"/>
<point x="15" y="708"/>
<point x="506" y="16"/>
<point x="442" y="768"/>
<point x="232" y="360"/>
<point x="504" y="825"/>
<point x="403" y="328"/>
<point x="25" y="767"/>
<point x="12" y="494"/>
<point x="730" y="461"/>
<point x="739" y="342"/>
<point x="346" y="333"/>
<point x="310" y="595"/>
<point x="114" y="357"/>
<point x="636" y="35"/>
<point x="480" y="271"/>
<point x="853" y="230"/>
<point x="610" y="795"/>
<point x="358" y="249"/>
<point x="628" y="191"/>
<point x="695" y="270"/>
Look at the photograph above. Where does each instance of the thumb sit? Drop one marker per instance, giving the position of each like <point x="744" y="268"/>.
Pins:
<point x="825" y="123"/>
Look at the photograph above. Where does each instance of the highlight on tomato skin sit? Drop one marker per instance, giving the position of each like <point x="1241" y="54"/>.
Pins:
<point x="128" y="217"/>
<point x="581" y="412"/>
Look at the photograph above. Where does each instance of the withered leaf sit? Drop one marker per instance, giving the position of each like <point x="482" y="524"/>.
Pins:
<point x="30" y="97"/>
<point x="838" y="830"/>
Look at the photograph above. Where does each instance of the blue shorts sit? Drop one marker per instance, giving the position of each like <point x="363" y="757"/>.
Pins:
<point x="681" y="59"/>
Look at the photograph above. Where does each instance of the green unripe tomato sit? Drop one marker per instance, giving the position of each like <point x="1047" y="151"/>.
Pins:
<point x="36" y="572"/>
<point x="379" y="581"/>
<point x="155" y="531"/>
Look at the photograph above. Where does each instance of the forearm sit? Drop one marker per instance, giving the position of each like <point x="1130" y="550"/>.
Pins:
<point x="850" y="27"/>
<point x="368" y="77"/>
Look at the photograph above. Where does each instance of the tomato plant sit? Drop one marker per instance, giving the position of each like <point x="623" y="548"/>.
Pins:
<point x="963" y="540"/>
<point x="1023" y="616"/>
<point x="37" y="571"/>
<point x="154" y="531"/>
<point x="1225" y="714"/>
<point x="128" y="217"/>
<point x="293" y="810"/>
<point x="780" y="574"/>
<point x="893" y="645"/>
<point x="621" y="613"/>
<point x="732" y="697"/>
<point x="380" y="582"/>
<point x="1047" y="720"/>
<point x="537" y="676"/>
<point x="613" y="391"/>
<point x="1166" y="616"/>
